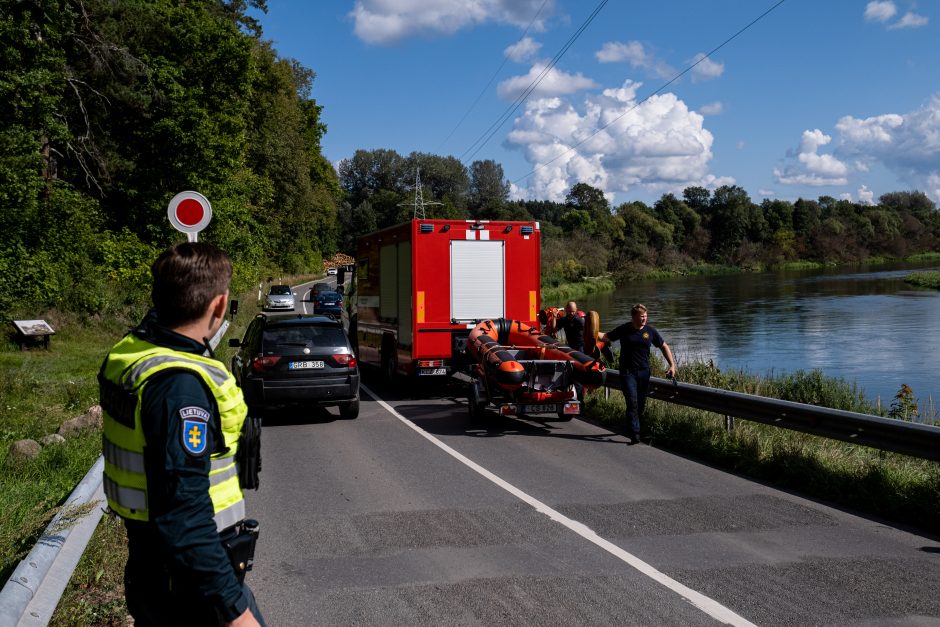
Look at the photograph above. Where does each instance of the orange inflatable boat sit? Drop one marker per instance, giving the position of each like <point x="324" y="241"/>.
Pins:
<point x="502" y="346"/>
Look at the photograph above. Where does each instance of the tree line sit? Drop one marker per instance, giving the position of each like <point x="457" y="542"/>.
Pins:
<point x="585" y="235"/>
<point x="108" y="108"/>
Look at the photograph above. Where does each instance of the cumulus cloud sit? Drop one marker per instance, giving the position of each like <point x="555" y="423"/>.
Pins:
<point x="659" y="145"/>
<point x="880" y="11"/>
<point x="766" y="193"/>
<point x="389" y="21"/>
<point x="910" y="20"/>
<point x="636" y="55"/>
<point x="812" y="168"/>
<point x="554" y="83"/>
<point x="522" y="50"/>
<point x="713" y="108"/>
<point x="907" y="144"/>
<point x="866" y="196"/>
<point x="705" y="69"/>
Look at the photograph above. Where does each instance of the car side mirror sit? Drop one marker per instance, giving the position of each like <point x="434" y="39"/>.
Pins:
<point x="235" y="343"/>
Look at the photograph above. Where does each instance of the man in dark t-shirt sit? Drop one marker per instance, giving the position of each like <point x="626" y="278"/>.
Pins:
<point x="635" y="338"/>
<point x="573" y="326"/>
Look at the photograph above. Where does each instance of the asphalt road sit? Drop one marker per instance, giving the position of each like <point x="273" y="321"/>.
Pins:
<point x="371" y="522"/>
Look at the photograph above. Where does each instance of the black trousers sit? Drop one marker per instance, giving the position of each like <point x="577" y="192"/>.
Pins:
<point x="152" y="605"/>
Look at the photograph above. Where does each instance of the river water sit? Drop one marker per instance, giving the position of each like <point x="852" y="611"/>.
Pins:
<point x="864" y="325"/>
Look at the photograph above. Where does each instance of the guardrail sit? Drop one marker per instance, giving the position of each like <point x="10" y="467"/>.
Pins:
<point x="888" y="434"/>
<point x="31" y="594"/>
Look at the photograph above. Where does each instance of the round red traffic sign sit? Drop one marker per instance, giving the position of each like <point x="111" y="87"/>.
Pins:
<point x="189" y="212"/>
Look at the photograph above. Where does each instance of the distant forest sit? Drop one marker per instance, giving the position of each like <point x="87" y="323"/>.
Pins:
<point x="108" y="108"/>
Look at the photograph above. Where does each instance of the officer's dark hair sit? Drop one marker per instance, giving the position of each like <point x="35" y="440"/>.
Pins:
<point x="185" y="280"/>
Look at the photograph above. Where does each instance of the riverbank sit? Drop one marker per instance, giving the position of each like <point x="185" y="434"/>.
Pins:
<point x="641" y="272"/>
<point x="887" y="485"/>
<point x="558" y="295"/>
<point x="925" y="279"/>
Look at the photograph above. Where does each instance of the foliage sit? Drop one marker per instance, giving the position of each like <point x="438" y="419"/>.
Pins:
<point x="925" y="279"/>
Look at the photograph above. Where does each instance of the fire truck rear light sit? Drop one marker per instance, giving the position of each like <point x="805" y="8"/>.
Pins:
<point x="430" y="363"/>
<point x="507" y="410"/>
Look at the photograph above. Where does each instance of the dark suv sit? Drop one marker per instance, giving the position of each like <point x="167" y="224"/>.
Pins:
<point x="293" y="359"/>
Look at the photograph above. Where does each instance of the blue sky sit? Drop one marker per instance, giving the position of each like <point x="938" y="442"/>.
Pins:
<point x="820" y="97"/>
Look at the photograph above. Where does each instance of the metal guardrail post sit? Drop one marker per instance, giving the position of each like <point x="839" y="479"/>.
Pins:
<point x="887" y="434"/>
<point x="33" y="591"/>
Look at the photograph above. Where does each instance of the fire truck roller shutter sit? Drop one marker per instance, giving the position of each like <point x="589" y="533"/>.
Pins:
<point x="478" y="279"/>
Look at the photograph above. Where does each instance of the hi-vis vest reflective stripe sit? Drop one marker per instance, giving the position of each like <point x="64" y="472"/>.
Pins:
<point x="126" y="369"/>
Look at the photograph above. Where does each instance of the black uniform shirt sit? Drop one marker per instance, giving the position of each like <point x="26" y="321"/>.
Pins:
<point x="635" y="345"/>
<point x="573" y="326"/>
<point x="181" y="539"/>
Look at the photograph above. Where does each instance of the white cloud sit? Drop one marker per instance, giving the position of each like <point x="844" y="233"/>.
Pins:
<point x="554" y="83"/>
<point x="706" y="69"/>
<point x="659" y="145"/>
<point x="389" y="21"/>
<point x="866" y="196"/>
<point x="812" y="168"/>
<point x="767" y="193"/>
<point x="910" y="20"/>
<point x="846" y="196"/>
<point x="634" y="53"/>
<point x="713" y="108"/>
<point x="880" y="11"/>
<point x="522" y="50"/>
<point x="907" y="144"/>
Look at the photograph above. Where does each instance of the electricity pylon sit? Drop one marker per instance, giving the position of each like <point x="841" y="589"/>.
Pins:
<point x="419" y="199"/>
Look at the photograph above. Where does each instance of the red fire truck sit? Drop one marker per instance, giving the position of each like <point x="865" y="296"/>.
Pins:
<point x="420" y="287"/>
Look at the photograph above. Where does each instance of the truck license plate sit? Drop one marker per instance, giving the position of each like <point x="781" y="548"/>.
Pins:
<point x="301" y="365"/>
<point x="432" y="372"/>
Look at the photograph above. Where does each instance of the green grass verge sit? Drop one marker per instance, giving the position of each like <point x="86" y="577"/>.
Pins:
<point x="891" y="486"/>
<point x="924" y="279"/>
<point x="560" y="294"/>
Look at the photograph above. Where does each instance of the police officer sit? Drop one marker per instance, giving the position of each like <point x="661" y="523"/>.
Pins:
<point x="172" y="419"/>
<point x="636" y="337"/>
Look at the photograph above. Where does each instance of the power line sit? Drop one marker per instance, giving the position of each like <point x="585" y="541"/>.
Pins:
<point x="492" y="130"/>
<point x="492" y="78"/>
<point x="664" y="86"/>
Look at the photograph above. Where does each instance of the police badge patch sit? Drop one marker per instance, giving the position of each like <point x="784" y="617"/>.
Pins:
<point x="194" y="430"/>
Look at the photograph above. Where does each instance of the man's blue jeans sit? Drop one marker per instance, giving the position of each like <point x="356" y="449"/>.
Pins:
<point x="635" y="385"/>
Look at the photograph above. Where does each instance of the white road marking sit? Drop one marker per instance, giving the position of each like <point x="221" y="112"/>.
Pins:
<point x="711" y="607"/>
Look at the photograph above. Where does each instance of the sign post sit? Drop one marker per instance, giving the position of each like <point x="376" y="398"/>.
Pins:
<point x="189" y="212"/>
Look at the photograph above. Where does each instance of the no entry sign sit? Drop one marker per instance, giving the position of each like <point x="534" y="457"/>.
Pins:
<point x="189" y="212"/>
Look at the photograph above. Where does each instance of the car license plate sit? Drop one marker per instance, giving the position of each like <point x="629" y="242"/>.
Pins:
<point x="329" y="304"/>
<point x="301" y="365"/>
<point x="433" y="372"/>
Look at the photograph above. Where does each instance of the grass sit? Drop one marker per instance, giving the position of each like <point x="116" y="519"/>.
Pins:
<point x="924" y="279"/>
<point x="572" y="291"/>
<point x="888" y="485"/>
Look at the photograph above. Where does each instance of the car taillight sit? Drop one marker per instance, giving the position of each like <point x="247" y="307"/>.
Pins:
<point x="262" y="362"/>
<point x="345" y="360"/>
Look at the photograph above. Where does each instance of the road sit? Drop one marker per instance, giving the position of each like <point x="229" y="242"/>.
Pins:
<point x="411" y="516"/>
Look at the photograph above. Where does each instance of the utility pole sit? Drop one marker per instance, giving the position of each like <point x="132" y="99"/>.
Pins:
<point x="419" y="199"/>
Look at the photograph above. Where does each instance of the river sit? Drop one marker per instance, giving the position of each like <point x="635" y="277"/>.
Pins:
<point x="864" y="324"/>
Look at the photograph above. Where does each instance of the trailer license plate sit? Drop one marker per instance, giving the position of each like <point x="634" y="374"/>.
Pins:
<point x="432" y="372"/>
<point x="543" y="408"/>
<point x="302" y="365"/>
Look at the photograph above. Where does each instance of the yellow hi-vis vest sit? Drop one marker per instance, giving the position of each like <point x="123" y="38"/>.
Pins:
<point x="123" y="375"/>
